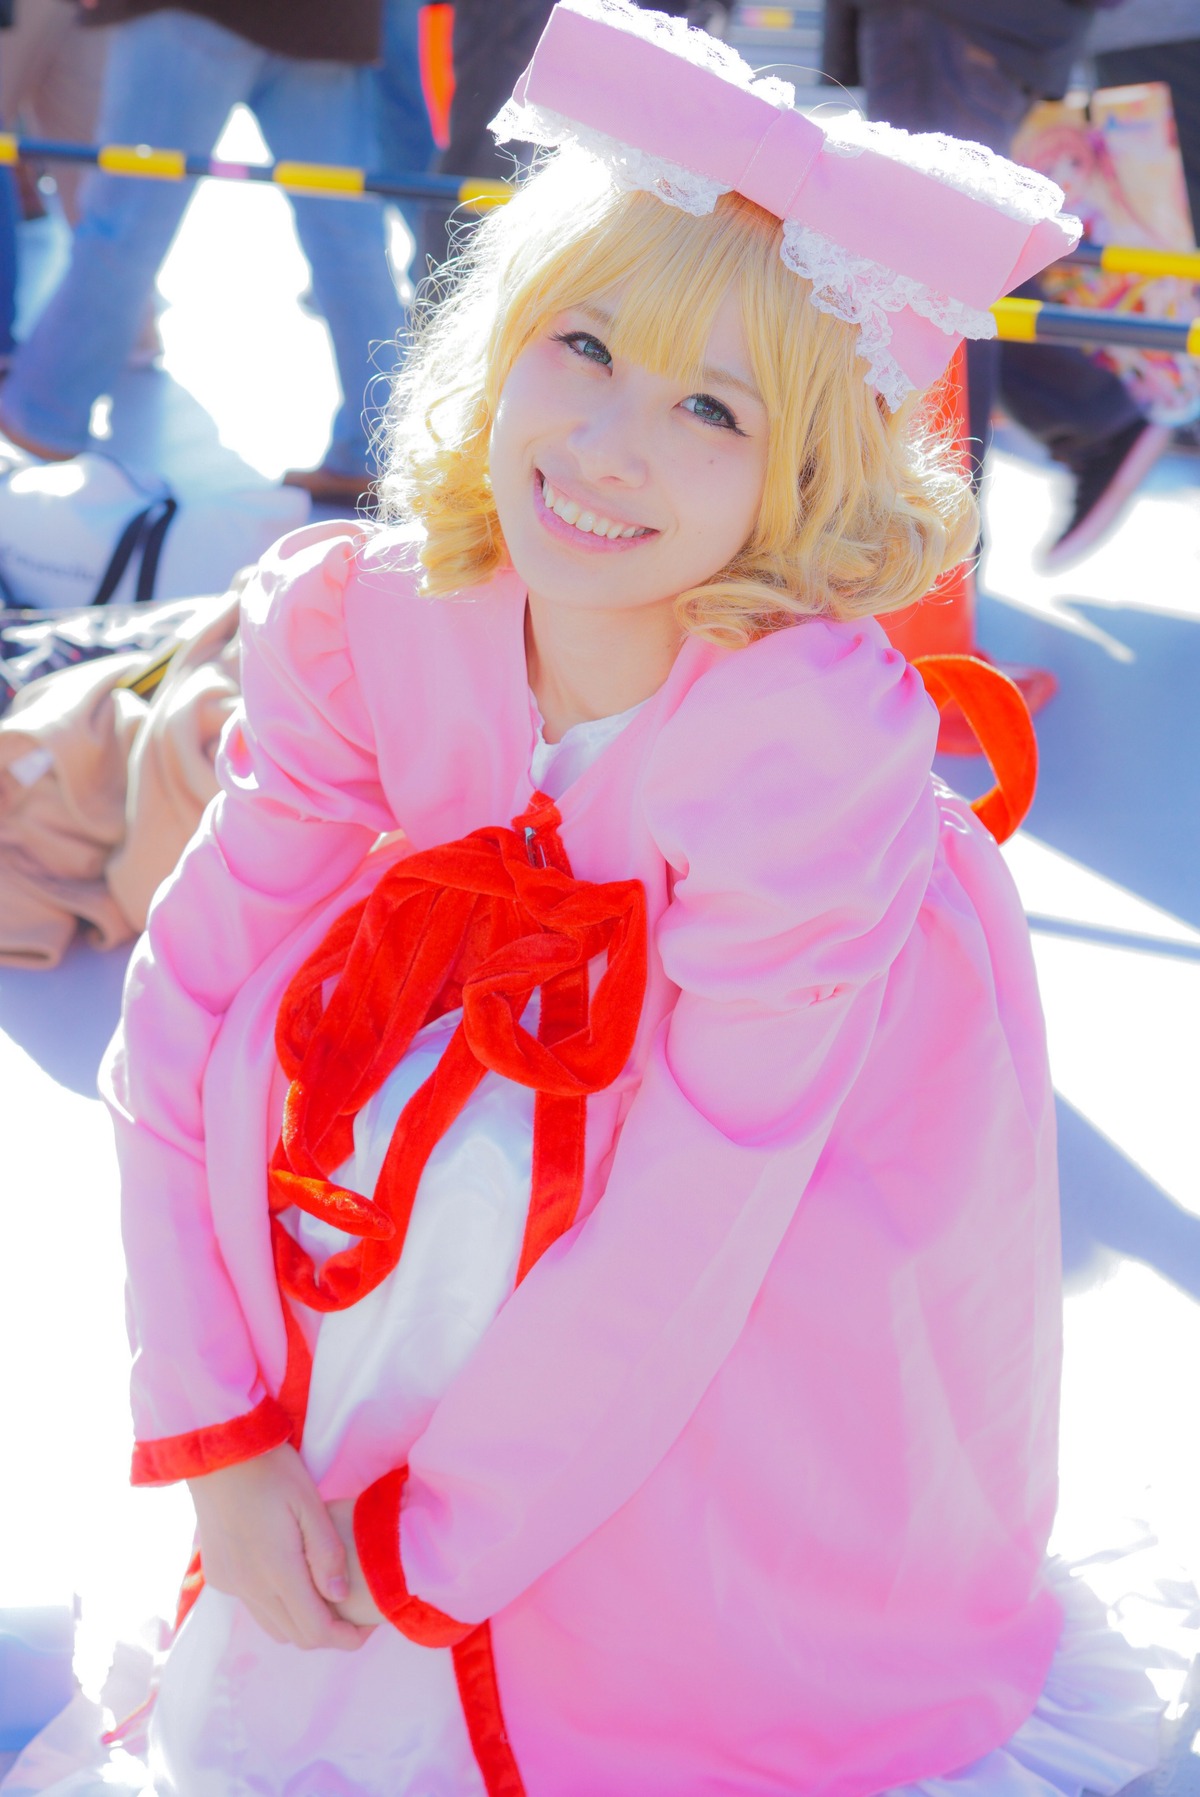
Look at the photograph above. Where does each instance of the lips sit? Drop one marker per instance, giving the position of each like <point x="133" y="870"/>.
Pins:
<point x="588" y="523"/>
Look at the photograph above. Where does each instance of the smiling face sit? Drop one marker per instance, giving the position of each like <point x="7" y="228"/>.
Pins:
<point x="618" y="487"/>
<point x="569" y="347"/>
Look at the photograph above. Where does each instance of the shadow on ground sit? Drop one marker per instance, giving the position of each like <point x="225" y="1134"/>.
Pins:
<point x="1119" y="785"/>
<point x="63" y="1018"/>
<point x="1110" y="1207"/>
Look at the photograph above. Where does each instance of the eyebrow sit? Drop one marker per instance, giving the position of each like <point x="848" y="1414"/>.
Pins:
<point x="720" y="377"/>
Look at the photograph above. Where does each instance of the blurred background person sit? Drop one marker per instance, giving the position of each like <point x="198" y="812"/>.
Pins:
<point x="172" y="78"/>
<point x="403" y="136"/>
<point x="9" y="213"/>
<point x="51" y="76"/>
<point x="492" y="44"/>
<point x="1159" y="40"/>
<point x="974" y="68"/>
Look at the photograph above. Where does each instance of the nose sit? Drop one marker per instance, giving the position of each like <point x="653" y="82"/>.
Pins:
<point x="609" y="442"/>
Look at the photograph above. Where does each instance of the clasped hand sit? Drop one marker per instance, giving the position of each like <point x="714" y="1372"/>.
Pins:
<point x="268" y="1538"/>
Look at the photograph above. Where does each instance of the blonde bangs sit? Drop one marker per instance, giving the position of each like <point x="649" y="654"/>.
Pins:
<point x="862" y="509"/>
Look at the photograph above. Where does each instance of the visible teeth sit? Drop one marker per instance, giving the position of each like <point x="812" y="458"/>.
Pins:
<point x="588" y="522"/>
<point x="566" y="509"/>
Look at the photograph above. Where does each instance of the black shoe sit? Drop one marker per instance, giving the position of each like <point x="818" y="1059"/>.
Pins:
<point x="1104" y="485"/>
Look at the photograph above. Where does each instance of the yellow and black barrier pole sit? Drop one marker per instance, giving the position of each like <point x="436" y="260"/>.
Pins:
<point x="1132" y="259"/>
<point x="1037" y="321"/>
<point x="1018" y="320"/>
<point x="149" y="164"/>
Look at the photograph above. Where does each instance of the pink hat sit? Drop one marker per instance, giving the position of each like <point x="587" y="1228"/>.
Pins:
<point x="911" y="238"/>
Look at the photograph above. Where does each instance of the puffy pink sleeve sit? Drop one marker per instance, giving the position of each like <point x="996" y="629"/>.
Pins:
<point x="790" y="796"/>
<point x="300" y="804"/>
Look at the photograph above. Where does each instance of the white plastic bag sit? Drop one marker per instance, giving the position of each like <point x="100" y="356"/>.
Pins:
<point x="90" y="531"/>
<point x="80" y="532"/>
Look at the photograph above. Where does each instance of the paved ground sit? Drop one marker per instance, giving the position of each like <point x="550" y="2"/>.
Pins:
<point x="1109" y="867"/>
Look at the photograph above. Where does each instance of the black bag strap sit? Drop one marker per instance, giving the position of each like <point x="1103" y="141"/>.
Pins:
<point x="154" y="535"/>
<point x="121" y="556"/>
<point x="145" y="531"/>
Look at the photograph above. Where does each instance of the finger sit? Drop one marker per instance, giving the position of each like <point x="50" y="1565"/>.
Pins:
<point x="325" y="1630"/>
<point x="323" y="1550"/>
<point x="324" y="1627"/>
<point x="348" y="1637"/>
<point x="312" y="1622"/>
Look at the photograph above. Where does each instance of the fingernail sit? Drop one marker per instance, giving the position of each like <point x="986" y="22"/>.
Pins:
<point x="339" y="1589"/>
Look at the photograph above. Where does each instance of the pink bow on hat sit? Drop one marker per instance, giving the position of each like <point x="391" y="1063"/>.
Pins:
<point x="911" y="238"/>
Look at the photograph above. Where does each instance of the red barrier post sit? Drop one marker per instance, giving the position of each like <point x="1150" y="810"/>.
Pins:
<point x="944" y="621"/>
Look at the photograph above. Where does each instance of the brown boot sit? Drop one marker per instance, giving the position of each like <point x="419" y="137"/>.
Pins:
<point x="31" y="446"/>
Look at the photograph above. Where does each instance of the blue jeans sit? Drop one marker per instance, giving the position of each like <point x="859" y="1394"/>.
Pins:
<point x="172" y="80"/>
<point x="8" y="259"/>
<point x="403" y="138"/>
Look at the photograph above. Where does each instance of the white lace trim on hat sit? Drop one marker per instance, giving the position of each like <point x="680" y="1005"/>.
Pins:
<point x="853" y="288"/>
<point x="632" y="169"/>
<point x="863" y="293"/>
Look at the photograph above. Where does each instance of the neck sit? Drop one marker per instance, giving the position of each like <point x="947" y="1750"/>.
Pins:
<point x="594" y="664"/>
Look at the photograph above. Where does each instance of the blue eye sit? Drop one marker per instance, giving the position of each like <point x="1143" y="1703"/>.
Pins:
<point x="585" y="346"/>
<point x="711" y="411"/>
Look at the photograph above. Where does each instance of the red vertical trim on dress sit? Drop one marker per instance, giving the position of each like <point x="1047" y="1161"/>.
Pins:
<point x="475" y="1670"/>
<point x="480" y="924"/>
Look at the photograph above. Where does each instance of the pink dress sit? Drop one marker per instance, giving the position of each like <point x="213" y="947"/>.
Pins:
<point x="753" y="1474"/>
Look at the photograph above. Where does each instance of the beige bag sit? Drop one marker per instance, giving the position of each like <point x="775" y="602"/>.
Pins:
<point x="105" y="769"/>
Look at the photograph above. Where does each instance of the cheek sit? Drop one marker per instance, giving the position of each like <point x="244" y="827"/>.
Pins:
<point x="508" y="426"/>
<point x="530" y="401"/>
<point x="723" y="498"/>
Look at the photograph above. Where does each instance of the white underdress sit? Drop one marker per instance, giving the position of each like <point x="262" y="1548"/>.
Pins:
<point x="237" y="1713"/>
<point x="386" y="1719"/>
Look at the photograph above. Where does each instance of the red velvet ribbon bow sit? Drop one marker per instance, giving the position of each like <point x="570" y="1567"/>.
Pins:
<point x="479" y="923"/>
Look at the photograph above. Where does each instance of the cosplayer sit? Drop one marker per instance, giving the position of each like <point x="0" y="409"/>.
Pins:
<point x="586" y="1135"/>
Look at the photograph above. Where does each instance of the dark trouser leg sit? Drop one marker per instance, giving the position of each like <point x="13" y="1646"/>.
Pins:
<point x="492" y="46"/>
<point x="1064" y="400"/>
<point x="926" y="75"/>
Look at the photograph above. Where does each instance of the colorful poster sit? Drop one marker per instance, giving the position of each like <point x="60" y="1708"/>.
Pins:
<point x="1116" y="157"/>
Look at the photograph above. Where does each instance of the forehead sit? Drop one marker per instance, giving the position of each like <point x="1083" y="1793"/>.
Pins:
<point x="680" y="291"/>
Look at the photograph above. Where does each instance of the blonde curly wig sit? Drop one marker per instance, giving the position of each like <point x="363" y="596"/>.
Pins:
<point x="862" y="510"/>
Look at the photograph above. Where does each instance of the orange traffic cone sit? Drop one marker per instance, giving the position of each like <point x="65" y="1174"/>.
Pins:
<point x="944" y="621"/>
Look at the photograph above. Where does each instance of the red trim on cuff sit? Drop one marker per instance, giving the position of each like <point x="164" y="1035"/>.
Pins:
<point x="201" y="1451"/>
<point x="377" y="1538"/>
